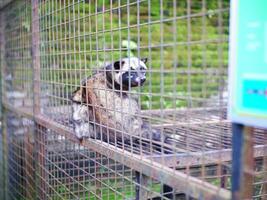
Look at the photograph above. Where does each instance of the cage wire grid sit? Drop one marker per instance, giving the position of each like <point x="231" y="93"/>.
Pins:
<point x="49" y="47"/>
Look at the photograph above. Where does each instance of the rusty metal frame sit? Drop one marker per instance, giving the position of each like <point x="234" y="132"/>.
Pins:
<point x="36" y="57"/>
<point x="243" y="162"/>
<point x="150" y="166"/>
<point x="176" y="179"/>
<point x="39" y="147"/>
<point x="248" y="164"/>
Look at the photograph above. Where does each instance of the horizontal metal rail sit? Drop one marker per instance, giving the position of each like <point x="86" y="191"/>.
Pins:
<point x="202" y="158"/>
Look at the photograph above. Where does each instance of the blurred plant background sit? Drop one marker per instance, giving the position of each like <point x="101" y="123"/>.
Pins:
<point x="186" y="45"/>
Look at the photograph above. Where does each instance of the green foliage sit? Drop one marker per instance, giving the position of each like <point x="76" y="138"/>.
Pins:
<point x="131" y="46"/>
<point x="100" y="33"/>
<point x="125" y="189"/>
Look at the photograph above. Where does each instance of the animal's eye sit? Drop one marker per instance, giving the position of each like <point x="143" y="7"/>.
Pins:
<point x="118" y="64"/>
<point x="132" y="69"/>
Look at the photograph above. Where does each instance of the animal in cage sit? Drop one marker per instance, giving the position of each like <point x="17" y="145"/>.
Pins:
<point x="103" y="107"/>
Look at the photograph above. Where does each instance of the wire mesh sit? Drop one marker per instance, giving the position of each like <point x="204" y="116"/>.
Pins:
<point x="17" y="68"/>
<point x="52" y="48"/>
<point x="3" y="3"/>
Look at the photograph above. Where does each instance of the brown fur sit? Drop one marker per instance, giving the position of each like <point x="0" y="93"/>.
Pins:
<point x="112" y="113"/>
<point x="103" y="109"/>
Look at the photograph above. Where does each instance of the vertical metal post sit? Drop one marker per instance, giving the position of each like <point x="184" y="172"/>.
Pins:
<point x="264" y="191"/>
<point x="98" y="162"/>
<point x="39" y="136"/>
<point x="3" y="52"/>
<point x="223" y="172"/>
<point x="5" y="154"/>
<point x="1" y="122"/>
<point x="3" y="117"/>
<point x="29" y="150"/>
<point x="35" y="57"/>
<point x="40" y="173"/>
<point x="142" y="181"/>
<point x="243" y="162"/>
<point x="168" y="192"/>
<point x="248" y="164"/>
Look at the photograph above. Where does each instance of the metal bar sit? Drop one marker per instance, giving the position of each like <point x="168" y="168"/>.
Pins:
<point x="29" y="168"/>
<point x="237" y="140"/>
<point x="5" y="154"/>
<point x="224" y="177"/>
<point x="243" y="162"/>
<point x="264" y="190"/>
<point x="177" y="179"/>
<point x="211" y="157"/>
<point x="2" y="48"/>
<point x="3" y="110"/>
<point x="1" y="114"/>
<point x="178" y="160"/>
<point x="98" y="175"/>
<point x="187" y="72"/>
<point x="248" y="164"/>
<point x="40" y="161"/>
<point x="168" y="192"/>
<point x="142" y="183"/>
<point x="35" y="57"/>
<point x="64" y="44"/>
<point x="39" y="137"/>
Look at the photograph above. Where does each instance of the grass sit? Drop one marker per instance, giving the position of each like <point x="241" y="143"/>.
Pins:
<point x="124" y="190"/>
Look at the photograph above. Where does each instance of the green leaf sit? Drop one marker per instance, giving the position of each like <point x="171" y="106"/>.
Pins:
<point x="129" y="44"/>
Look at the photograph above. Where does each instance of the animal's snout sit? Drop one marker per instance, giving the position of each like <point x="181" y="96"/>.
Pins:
<point x="143" y="79"/>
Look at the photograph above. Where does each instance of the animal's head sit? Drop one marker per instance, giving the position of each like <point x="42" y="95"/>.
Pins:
<point x="127" y="72"/>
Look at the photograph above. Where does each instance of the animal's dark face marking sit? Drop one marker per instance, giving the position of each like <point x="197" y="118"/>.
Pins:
<point x="117" y="65"/>
<point x="128" y="72"/>
<point x="134" y="78"/>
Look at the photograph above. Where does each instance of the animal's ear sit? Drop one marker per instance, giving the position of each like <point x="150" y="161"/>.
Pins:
<point x="144" y="60"/>
<point x="118" y="64"/>
<point x="84" y="97"/>
<point x="109" y="67"/>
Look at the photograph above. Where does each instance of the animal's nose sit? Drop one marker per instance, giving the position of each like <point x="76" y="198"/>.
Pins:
<point x="143" y="79"/>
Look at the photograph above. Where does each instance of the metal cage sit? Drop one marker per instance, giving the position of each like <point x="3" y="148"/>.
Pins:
<point x="49" y="46"/>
